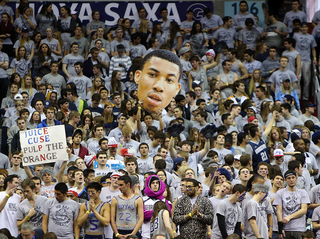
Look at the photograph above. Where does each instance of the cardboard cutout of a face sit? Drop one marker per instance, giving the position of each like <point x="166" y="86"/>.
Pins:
<point x="158" y="82"/>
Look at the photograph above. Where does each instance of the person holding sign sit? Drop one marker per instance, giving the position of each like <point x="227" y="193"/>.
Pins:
<point x="50" y="120"/>
<point x="158" y="79"/>
<point x="94" y="215"/>
<point x="126" y="204"/>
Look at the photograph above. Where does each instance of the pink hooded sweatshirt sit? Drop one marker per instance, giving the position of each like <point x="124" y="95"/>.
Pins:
<point x="155" y="196"/>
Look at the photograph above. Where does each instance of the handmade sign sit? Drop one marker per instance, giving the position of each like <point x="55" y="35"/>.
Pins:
<point x="43" y="145"/>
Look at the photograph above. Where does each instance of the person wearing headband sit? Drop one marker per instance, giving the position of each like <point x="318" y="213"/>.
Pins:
<point x="255" y="214"/>
<point x="292" y="205"/>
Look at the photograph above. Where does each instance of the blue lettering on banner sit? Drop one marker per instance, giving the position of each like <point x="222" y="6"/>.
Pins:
<point x="111" y="12"/>
<point x="231" y="8"/>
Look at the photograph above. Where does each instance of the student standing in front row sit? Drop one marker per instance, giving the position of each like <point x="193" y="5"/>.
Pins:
<point x="292" y="204"/>
<point x="126" y="211"/>
<point x="94" y="214"/>
<point x="60" y="214"/>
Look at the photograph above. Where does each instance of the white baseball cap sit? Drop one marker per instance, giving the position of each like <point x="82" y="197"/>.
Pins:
<point x="277" y="153"/>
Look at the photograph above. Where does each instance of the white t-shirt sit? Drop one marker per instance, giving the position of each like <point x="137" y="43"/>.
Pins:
<point x="8" y="214"/>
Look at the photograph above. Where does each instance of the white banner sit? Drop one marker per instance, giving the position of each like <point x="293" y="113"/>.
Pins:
<point x="43" y="145"/>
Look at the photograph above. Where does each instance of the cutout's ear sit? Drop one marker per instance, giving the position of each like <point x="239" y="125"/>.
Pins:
<point x="137" y="76"/>
<point x="178" y="88"/>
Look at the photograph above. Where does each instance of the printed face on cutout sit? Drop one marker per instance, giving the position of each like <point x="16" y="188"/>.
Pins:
<point x="158" y="82"/>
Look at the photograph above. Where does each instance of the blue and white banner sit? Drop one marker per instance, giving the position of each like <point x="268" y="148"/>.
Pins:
<point x="110" y="12"/>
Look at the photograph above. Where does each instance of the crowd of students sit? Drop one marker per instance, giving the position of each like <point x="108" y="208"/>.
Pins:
<point x="256" y="177"/>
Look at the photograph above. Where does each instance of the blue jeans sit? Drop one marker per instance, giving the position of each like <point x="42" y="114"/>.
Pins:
<point x="275" y="235"/>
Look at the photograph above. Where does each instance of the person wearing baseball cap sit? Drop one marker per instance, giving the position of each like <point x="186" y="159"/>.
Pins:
<point x="308" y="115"/>
<point x="185" y="54"/>
<point x="278" y="156"/>
<point x="72" y="194"/>
<point x="293" y="203"/>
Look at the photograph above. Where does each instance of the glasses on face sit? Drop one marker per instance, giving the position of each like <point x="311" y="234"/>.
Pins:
<point x="244" y="172"/>
<point x="16" y="157"/>
<point x="189" y="186"/>
<point x="106" y="183"/>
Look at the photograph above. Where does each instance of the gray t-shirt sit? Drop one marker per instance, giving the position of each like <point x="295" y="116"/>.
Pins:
<point x="95" y="25"/>
<point x="61" y="216"/>
<point x="293" y="121"/>
<point x="231" y="212"/>
<point x="70" y="60"/>
<point x="57" y="81"/>
<point x="136" y="24"/>
<point x="115" y="43"/>
<point x="209" y="23"/>
<point x="221" y="154"/>
<point x="226" y="35"/>
<point x="4" y="161"/>
<point x="239" y="19"/>
<point x="292" y="55"/>
<point x="53" y="44"/>
<point x="143" y="164"/>
<point x="21" y="173"/>
<point x="22" y="67"/>
<point x="290" y="16"/>
<point x="273" y="39"/>
<point x="82" y="83"/>
<point x="291" y="203"/>
<point x="316" y="31"/>
<point x="316" y="17"/>
<point x="251" y="66"/>
<point x="193" y="161"/>
<point x="83" y="45"/>
<point x="279" y="76"/>
<point x="258" y="211"/>
<point x="3" y="58"/>
<point x="304" y="45"/>
<point x="249" y="37"/>
<point x="28" y="45"/>
<point x="137" y="51"/>
<point x="25" y="206"/>
<point x="316" y="218"/>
